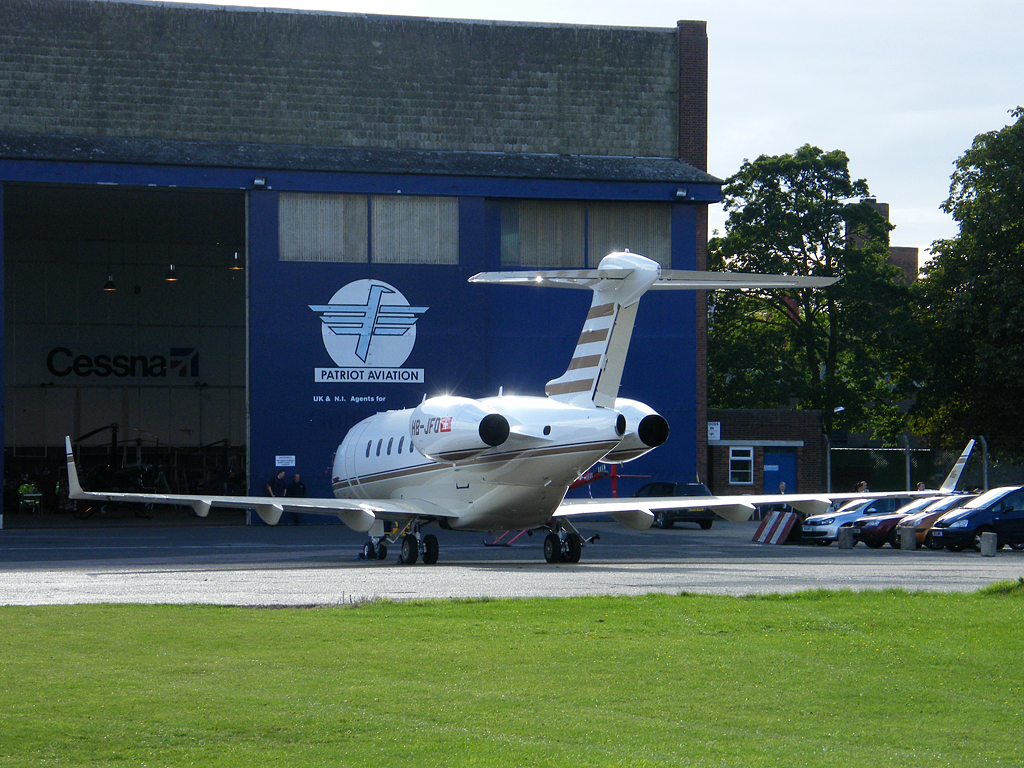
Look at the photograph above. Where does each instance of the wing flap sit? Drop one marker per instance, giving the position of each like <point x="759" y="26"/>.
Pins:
<point x="633" y="511"/>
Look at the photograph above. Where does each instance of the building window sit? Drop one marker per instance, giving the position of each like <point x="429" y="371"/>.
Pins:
<point x="414" y="230"/>
<point x="741" y="466"/>
<point x="553" y="234"/>
<point x="360" y="229"/>
<point x="543" y="234"/>
<point x="323" y="227"/>
<point x="644" y="228"/>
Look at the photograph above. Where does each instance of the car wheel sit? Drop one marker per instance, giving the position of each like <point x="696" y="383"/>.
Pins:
<point x="705" y="524"/>
<point x="932" y="543"/>
<point x="976" y="541"/>
<point x="894" y="539"/>
<point x="1017" y="547"/>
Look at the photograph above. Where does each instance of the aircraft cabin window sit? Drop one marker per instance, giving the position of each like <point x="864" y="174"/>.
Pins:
<point x="391" y="441"/>
<point x="547" y="430"/>
<point x="368" y="444"/>
<point x="400" y="441"/>
<point x="379" y="444"/>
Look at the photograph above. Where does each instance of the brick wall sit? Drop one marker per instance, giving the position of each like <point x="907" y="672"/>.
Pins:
<point x="751" y="427"/>
<point x="191" y="73"/>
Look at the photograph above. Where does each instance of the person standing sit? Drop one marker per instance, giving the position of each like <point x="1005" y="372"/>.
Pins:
<point x="276" y="485"/>
<point x="296" y="488"/>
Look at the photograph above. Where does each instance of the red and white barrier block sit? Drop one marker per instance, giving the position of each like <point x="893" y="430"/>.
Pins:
<point x="775" y="528"/>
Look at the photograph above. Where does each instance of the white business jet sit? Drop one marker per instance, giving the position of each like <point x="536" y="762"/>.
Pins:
<point x="504" y="463"/>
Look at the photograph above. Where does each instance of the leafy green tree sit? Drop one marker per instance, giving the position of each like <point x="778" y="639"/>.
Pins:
<point x="835" y="349"/>
<point x="971" y="297"/>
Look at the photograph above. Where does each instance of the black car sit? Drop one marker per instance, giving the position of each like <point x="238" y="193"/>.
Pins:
<point x="1000" y="510"/>
<point x="666" y="518"/>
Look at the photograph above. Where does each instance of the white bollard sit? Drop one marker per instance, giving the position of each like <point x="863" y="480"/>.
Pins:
<point x="908" y="539"/>
<point x="846" y="537"/>
<point x="989" y="541"/>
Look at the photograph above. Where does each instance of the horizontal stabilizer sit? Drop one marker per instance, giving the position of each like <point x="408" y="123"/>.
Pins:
<point x="622" y="278"/>
<point x="670" y="279"/>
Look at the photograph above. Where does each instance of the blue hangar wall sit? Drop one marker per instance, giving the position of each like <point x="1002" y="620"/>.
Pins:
<point x="470" y="339"/>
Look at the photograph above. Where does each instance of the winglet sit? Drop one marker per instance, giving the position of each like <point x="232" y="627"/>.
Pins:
<point x="949" y="484"/>
<point x="74" y="487"/>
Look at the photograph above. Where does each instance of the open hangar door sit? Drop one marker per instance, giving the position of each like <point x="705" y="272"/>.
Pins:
<point x="149" y="373"/>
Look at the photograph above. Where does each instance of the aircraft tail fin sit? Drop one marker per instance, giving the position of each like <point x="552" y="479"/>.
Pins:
<point x="949" y="484"/>
<point x="621" y="279"/>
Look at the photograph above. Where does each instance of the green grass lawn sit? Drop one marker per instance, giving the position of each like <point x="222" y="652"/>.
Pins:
<point x="829" y="679"/>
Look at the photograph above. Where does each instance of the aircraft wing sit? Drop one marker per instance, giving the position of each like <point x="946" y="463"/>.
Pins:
<point x="356" y="514"/>
<point x="637" y="512"/>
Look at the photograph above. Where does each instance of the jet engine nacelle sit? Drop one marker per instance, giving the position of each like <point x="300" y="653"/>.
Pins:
<point x="645" y="429"/>
<point x="455" y="428"/>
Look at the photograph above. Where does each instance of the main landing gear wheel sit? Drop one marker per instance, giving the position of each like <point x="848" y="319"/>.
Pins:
<point x="573" y="548"/>
<point x="410" y="550"/>
<point x="558" y="551"/>
<point x="430" y="549"/>
<point x="552" y="548"/>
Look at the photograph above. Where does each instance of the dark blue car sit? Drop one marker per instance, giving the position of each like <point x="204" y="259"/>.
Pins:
<point x="1000" y="510"/>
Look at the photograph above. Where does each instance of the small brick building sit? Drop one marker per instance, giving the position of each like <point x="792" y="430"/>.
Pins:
<point x="751" y="451"/>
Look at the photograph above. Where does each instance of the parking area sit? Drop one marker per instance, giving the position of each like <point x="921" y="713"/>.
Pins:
<point x="312" y="565"/>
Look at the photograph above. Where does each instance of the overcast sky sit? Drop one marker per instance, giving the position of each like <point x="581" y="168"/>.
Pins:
<point x="902" y="87"/>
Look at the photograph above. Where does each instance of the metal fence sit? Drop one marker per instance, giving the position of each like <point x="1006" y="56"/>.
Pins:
<point x="992" y="463"/>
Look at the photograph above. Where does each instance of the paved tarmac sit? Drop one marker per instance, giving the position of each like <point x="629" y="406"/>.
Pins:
<point x="227" y="563"/>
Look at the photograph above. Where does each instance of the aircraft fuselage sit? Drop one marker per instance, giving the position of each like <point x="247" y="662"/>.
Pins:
<point x="517" y="484"/>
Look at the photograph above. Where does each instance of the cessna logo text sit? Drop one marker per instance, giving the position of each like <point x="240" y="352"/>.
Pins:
<point x="182" y="362"/>
<point x="369" y="330"/>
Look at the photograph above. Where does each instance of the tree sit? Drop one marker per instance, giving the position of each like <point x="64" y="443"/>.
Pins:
<point x="971" y="296"/>
<point x="833" y="349"/>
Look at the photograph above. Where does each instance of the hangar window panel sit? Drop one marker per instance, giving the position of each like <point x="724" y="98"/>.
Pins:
<point x="741" y="466"/>
<point x="415" y="230"/>
<point x="323" y="227"/>
<point x="543" y="234"/>
<point x="644" y="228"/>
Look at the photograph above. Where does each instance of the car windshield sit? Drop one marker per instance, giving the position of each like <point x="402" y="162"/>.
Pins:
<point x="989" y="497"/>
<point x="947" y="503"/>
<point x="852" y="506"/>
<point x="915" y="506"/>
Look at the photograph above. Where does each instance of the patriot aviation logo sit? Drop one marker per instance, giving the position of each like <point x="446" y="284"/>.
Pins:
<point x="369" y="330"/>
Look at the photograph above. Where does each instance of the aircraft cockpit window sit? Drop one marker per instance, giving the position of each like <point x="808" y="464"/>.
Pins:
<point x="391" y="442"/>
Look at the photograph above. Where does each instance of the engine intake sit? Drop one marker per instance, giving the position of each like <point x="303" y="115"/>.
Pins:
<point x="646" y="429"/>
<point x="453" y="429"/>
